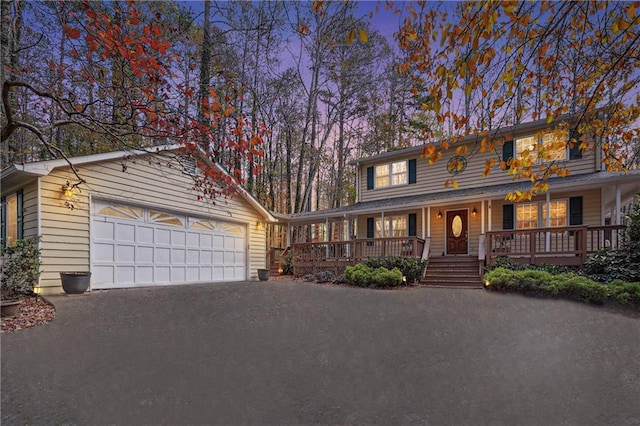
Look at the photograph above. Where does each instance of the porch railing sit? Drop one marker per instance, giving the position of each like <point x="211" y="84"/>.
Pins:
<point x="335" y="256"/>
<point x="558" y="246"/>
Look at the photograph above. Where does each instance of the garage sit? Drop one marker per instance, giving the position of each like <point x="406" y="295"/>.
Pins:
<point x="140" y="246"/>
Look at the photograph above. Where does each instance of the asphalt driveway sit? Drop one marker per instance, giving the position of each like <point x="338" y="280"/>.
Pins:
<point x="294" y="353"/>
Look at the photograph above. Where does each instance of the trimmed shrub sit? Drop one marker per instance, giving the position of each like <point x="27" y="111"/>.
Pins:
<point x="365" y="276"/>
<point x="20" y="268"/>
<point x="410" y="267"/>
<point x="325" y="277"/>
<point x="569" y="286"/>
<point x="287" y="263"/>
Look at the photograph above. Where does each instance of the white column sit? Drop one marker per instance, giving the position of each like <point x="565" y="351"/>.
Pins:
<point x="326" y="236"/>
<point x="482" y="219"/>
<point x="618" y="216"/>
<point x="429" y="222"/>
<point x="602" y="207"/>
<point x="289" y="234"/>
<point x="382" y="223"/>
<point x="348" y="237"/>
<point x="423" y="225"/>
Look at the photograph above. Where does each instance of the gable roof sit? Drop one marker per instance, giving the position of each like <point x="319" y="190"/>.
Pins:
<point x="16" y="174"/>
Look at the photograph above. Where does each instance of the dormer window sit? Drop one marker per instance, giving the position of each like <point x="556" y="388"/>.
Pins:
<point x="391" y="174"/>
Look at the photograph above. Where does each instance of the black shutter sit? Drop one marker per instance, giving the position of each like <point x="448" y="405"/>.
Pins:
<point x="412" y="225"/>
<point x="3" y="234"/>
<point x="20" y="215"/>
<point x="507" y="216"/>
<point x="575" y="211"/>
<point x="370" y="227"/>
<point x="507" y="151"/>
<point x="575" y="152"/>
<point x="370" y="177"/>
<point x="412" y="171"/>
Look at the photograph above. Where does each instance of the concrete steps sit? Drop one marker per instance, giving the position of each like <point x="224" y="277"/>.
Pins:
<point x="450" y="271"/>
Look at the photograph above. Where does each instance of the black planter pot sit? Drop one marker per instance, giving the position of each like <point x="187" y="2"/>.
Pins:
<point x="9" y="308"/>
<point x="263" y="274"/>
<point x="75" y="282"/>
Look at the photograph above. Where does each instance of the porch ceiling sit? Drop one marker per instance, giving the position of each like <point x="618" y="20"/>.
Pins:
<point x="629" y="181"/>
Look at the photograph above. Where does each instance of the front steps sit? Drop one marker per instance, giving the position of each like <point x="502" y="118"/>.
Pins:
<point x="451" y="271"/>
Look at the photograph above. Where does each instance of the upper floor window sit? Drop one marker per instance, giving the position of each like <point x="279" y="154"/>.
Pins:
<point x="553" y="142"/>
<point x="391" y="174"/>
<point x="534" y="215"/>
<point x="12" y="219"/>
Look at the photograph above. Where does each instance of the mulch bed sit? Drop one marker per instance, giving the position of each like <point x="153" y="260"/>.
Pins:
<point x="32" y="312"/>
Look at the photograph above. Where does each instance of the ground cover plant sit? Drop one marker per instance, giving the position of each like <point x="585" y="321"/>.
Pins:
<point x="362" y="275"/>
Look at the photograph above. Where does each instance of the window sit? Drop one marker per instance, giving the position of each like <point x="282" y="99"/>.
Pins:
<point x="12" y="219"/>
<point x="391" y="174"/>
<point x="554" y="143"/>
<point x="382" y="176"/>
<point x="394" y="226"/>
<point x="534" y="215"/>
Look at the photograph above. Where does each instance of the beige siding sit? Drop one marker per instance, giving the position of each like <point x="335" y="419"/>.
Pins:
<point x="432" y="178"/>
<point x="66" y="232"/>
<point x="30" y="209"/>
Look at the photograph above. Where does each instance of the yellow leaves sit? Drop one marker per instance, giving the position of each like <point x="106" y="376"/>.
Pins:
<point x="488" y="165"/>
<point x="462" y="150"/>
<point x="363" y="35"/>
<point x="318" y="7"/>
<point x="351" y="36"/>
<point x="304" y="29"/>
<point x="631" y="10"/>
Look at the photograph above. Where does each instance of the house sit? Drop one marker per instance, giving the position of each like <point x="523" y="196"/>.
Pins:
<point x="404" y="209"/>
<point x="137" y="221"/>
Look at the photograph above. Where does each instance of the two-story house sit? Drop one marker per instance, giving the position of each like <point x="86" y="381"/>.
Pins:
<point x="404" y="209"/>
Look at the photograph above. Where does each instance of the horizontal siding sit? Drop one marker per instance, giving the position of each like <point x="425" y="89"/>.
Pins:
<point x="432" y="178"/>
<point x="143" y="183"/>
<point x="30" y="209"/>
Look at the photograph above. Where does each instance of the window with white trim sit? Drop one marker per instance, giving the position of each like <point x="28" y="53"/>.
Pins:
<point x="394" y="226"/>
<point x="554" y="143"/>
<point x="534" y="215"/>
<point x="391" y="174"/>
<point x="12" y="220"/>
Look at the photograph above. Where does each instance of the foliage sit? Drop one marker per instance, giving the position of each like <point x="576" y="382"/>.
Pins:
<point x="482" y="65"/>
<point x="365" y="276"/>
<point x="325" y="277"/>
<point x="412" y="268"/>
<point x="567" y="285"/>
<point x="622" y="263"/>
<point x="20" y="268"/>
<point x="286" y="262"/>
<point x="508" y="263"/>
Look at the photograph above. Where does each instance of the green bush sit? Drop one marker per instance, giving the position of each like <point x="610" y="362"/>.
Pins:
<point x="286" y="262"/>
<point x="567" y="285"/>
<point x="20" y="268"/>
<point x="410" y="267"/>
<point x="365" y="276"/>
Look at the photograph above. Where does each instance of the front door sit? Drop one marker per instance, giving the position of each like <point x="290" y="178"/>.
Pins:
<point x="457" y="232"/>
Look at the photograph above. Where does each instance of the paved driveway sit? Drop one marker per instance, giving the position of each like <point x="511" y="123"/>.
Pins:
<point x="293" y="353"/>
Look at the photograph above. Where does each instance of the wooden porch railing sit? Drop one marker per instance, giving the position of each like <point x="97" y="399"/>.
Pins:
<point x="556" y="246"/>
<point x="335" y="256"/>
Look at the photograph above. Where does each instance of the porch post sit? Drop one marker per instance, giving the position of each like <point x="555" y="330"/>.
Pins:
<point x="382" y="223"/>
<point x="482" y="217"/>
<point x="618" y="216"/>
<point x="547" y="224"/>
<point x="429" y="222"/>
<point x="602" y="207"/>
<point x="326" y="238"/>
<point x="288" y="234"/>
<point x="348" y="239"/>
<point x="423" y="224"/>
<point x="490" y="220"/>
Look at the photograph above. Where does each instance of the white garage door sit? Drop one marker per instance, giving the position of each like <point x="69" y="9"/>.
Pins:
<point x="133" y="246"/>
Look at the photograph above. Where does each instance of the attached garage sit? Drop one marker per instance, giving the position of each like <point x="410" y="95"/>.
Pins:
<point x="136" y="246"/>
<point x="137" y="220"/>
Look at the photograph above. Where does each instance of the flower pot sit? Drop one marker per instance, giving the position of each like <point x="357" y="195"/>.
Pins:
<point x="9" y="308"/>
<point x="263" y="274"/>
<point x="75" y="282"/>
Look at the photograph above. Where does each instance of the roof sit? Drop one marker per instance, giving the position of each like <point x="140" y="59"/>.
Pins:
<point x="501" y="131"/>
<point x="449" y="196"/>
<point x="16" y="174"/>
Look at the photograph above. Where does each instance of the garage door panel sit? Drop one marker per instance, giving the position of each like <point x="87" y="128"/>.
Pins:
<point x="143" y="250"/>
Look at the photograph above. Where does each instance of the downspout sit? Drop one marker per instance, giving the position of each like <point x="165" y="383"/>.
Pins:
<point x="39" y="221"/>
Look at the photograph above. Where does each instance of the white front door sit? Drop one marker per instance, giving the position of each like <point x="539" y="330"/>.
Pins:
<point x="134" y="246"/>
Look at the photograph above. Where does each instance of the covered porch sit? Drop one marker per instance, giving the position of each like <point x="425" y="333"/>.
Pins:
<point x="466" y="224"/>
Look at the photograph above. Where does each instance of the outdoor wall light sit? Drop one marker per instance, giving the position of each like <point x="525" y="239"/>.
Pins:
<point x="259" y="225"/>
<point x="474" y="212"/>
<point x="439" y="214"/>
<point x="67" y="190"/>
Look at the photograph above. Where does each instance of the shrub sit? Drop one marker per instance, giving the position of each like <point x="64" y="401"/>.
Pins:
<point x="20" y="268"/>
<point x="410" y="267"/>
<point x="365" y="276"/>
<point x="325" y="277"/>
<point x="568" y="285"/>
<point x="287" y="263"/>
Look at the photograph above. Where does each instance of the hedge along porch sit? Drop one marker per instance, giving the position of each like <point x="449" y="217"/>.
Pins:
<point x="136" y="222"/>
